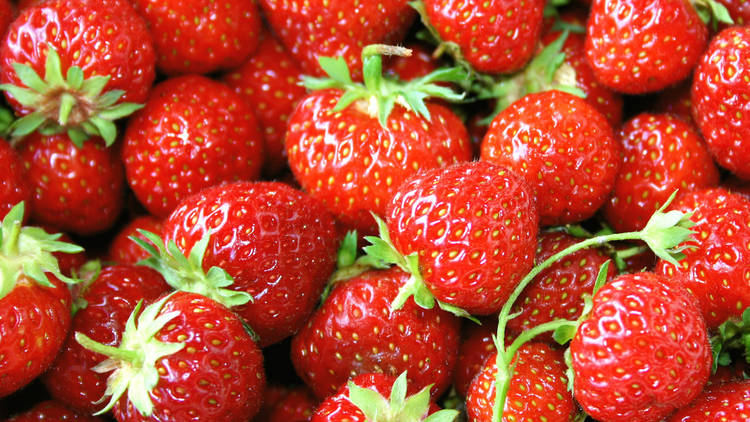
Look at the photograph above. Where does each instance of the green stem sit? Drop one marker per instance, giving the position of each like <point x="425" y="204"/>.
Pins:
<point x="10" y="240"/>
<point x="631" y="252"/>
<point x="130" y="356"/>
<point x="67" y="102"/>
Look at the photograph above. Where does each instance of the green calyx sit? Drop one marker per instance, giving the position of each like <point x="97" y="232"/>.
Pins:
<point x="67" y="103"/>
<point x="378" y="95"/>
<point x="133" y="363"/>
<point x="186" y="273"/>
<point x="712" y="12"/>
<point x="28" y="251"/>
<point x="732" y="339"/>
<point x="398" y="407"/>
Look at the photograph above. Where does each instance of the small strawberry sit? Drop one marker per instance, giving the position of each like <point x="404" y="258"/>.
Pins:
<point x="676" y="101"/>
<point x="192" y="134"/>
<point x="123" y="250"/>
<point x="281" y="404"/>
<point x="476" y="347"/>
<point x="726" y="402"/>
<point x="51" y="410"/>
<point x="14" y="186"/>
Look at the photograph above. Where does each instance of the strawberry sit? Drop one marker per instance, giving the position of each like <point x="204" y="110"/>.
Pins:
<point x="69" y="263"/>
<point x="192" y="134"/>
<point x="106" y="70"/>
<point x="676" y="101"/>
<point x="563" y="146"/>
<point x="538" y="389"/>
<point x="492" y="37"/>
<point x="476" y="347"/>
<point x="376" y="136"/>
<point x="201" y="36"/>
<point x="324" y="28"/>
<point x="718" y="100"/>
<point x="76" y="189"/>
<point x="51" y="410"/>
<point x="642" y="352"/>
<point x="420" y="63"/>
<point x="34" y="302"/>
<point x="109" y="300"/>
<point x="280" y="404"/>
<point x="739" y="10"/>
<point x="662" y="154"/>
<point x="14" y="186"/>
<point x="122" y="249"/>
<point x="269" y="81"/>
<point x="715" y="268"/>
<point x="185" y="357"/>
<point x="727" y="402"/>
<point x="355" y="331"/>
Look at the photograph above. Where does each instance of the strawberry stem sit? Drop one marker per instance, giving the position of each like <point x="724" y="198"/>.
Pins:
<point x="132" y="357"/>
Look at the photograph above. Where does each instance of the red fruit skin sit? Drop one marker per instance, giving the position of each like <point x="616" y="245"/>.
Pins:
<point x="538" y="388"/>
<point x="718" y="99"/>
<point x="77" y="190"/>
<point x="14" y="187"/>
<point x="278" y="244"/>
<point x="123" y="250"/>
<point x="110" y="299"/>
<point x="217" y="376"/>
<point x="316" y="28"/>
<point x="192" y="134"/>
<point x="297" y="405"/>
<point x="494" y="37"/>
<point x="270" y="83"/>
<point x="661" y="154"/>
<point x="557" y="292"/>
<point x="52" y="411"/>
<point x="355" y="332"/>
<point x="358" y="168"/>
<point x="476" y="346"/>
<point x="676" y="101"/>
<point x="116" y="43"/>
<point x="420" y="63"/>
<point x="739" y="10"/>
<point x="459" y="220"/>
<point x="643" y="352"/>
<point x="725" y="402"/>
<point x="640" y="46"/>
<point x="563" y="147"/>
<point x="34" y="321"/>
<point x="715" y="268"/>
<point x="201" y="36"/>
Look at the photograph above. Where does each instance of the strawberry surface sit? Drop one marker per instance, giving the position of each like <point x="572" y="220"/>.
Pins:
<point x="14" y="186"/>
<point x="728" y="402"/>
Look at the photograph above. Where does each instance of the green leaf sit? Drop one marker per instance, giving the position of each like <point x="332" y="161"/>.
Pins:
<point x="93" y="86"/>
<point x="106" y="129"/>
<point x="370" y="402"/>
<point x="336" y="68"/>
<point x="601" y="276"/>
<point x="75" y="77"/>
<point x="347" y="254"/>
<point x="53" y="68"/>
<point x="398" y="392"/>
<point x="24" y="96"/>
<point x="27" y="124"/>
<point x="384" y="110"/>
<point x="347" y="98"/>
<point x="28" y="76"/>
<point x="564" y="334"/>
<point x="415" y="99"/>
<point x="77" y="136"/>
<point x="445" y="415"/>
<point x="666" y="233"/>
<point x="417" y="405"/>
<point x="110" y="98"/>
<point x="119" y="111"/>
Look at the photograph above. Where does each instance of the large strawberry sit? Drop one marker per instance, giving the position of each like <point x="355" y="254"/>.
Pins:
<point x="352" y="145"/>
<point x="185" y="357"/>
<point x="76" y="65"/>
<point x="14" y="186"/>
<point x="728" y="402"/>
<point x="192" y="134"/>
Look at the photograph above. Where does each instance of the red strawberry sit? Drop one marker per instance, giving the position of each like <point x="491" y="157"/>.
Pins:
<point x="14" y="186"/>
<point x="269" y="81"/>
<point x="108" y="303"/>
<point x="726" y="402"/>
<point x="676" y="101"/>
<point x="34" y="302"/>
<point x="662" y="154"/>
<point x="538" y="389"/>
<point x="420" y="63"/>
<point x="715" y="268"/>
<point x="52" y="411"/>
<point x="719" y="102"/>
<point x="563" y="146"/>
<point x="101" y="46"/>
<point x="739" y="10"/>
<point x="192" y="134"/>
<point x="123" y="250"/>
<point x="201" y="36"/>
<point x="69" y="263"/>
<point x="355" y="331"/>
<point x="642" y="352"/>
<point x="197" y="362"/>
<point x="78" y="190"/>
<point x="493" y="37"/>
<point x="324" y="28"/>
<point x="476" y="347"/>
<point x="281" y="404"/>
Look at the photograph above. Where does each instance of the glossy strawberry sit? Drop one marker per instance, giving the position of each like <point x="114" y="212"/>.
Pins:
<point x="355" y="331"/>
<point x="78" y="190"/>
<point x="123" y="250"/>
<point x="563" y="147"/>
<point x="642" y="352"/>
<point x="476" y="347"/>
<point x="715" y="268"/>
<point x="420" y="63"/>
<point x="676" y="101"/>
<point x="661" y="154"/>
<point x="52" y="411"/>
<point x="293" y="404"/>
<point x="14" y="186"/>
<point x="192" y="134"/>
<point x="728" y="402"/>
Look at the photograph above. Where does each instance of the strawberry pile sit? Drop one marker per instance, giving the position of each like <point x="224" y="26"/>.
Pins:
<point x="375" y="211"/>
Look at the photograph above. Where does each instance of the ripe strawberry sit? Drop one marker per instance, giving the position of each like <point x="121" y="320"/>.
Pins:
<point x="376" y="136"/>
<point x="123" y="250"/>
<point x="715" y="268"/>
<point x="317" y="28"/>
<point x="51" y="410"/>
<point x="197" y="362"/>
<point x="355" y="331"/>
<point x="662" y="154"/>
<point x="76" y="189"/>
<point x="727" y="403"/>
<point x="642" y="352"/>
<point x="14" y="186"/>
<point x="676" y="101"/>
<point x="538" y="389"/>
<point x="473" y="228"/>
<point x="201" y="36"/>
<point x="718" y="97"/>
<point x="109" y="300"/>
<point x="192" y="134"/>
<point x="281" y="404"/>
<point x="493" y="37"/>
<point x="565" y="149"/>
<point x="34" y="303"/>
<point x="101" y="46"/>
<point x="420" y="63"/>
<point x="476" y="347"/>
<point x="269" y="81"/>
<point x="739" y="10"/>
